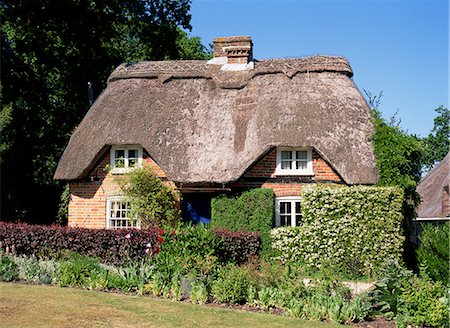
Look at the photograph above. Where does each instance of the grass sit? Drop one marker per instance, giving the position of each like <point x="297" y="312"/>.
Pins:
<point x="49" y="306"/>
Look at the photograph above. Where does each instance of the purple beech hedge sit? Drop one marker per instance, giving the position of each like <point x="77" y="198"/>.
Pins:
<point x="112" y="246"/>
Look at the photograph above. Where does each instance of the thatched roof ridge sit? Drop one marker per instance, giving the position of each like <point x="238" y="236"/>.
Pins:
<point x="202" y="124"/>
<point x="201" y="69"/>
<point x="430" y="189"/>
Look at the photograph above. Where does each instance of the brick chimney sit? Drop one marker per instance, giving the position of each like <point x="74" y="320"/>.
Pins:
<point x="237" y="49"/>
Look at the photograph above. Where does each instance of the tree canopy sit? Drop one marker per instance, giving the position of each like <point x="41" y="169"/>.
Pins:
<point x="50" y="50"/>
<point x="437" y="143"/>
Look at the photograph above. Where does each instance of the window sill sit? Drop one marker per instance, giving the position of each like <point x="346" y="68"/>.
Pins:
<point x="294" y="173"/>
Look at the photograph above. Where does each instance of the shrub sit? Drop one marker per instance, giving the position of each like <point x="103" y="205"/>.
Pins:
<point x="77" y="270"/>
<point x="387" y="290"/>
<point x="153" y="202"/>
<point x="248" y="211"/>
<point x="186" y="250"/>
<point x="237" y="246"/>
<point x="34" y="270"/>
<point x="354" y="228"/>
<point x="199" y="293"/>
<point x="111" y="246"/>
<point x="423" y="303"/>
<point x="8" y="268"/>
<point x="232" y="285"/>
<point x="433" y="251"/>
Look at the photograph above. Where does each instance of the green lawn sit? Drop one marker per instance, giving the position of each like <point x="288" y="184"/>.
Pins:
<point x="48" y="306"/>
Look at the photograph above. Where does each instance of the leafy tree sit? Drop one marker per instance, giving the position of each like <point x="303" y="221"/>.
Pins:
<point x="399" y="158"/>
<point x="151" y="201"/>
<point x="437" y="144"/>
<point x="50" y="50"/>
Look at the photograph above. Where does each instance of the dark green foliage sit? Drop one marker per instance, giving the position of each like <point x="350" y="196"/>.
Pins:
<point x="8" y="268"/>
<point x="50" y="50"/>
<point x="63" y="207"/>
<point x="437" y="144"/>
<point x="433" y="251"/>
<point x="249" y="211"/>
<point x="152" y="202"/>
<point x="77" y="270"/>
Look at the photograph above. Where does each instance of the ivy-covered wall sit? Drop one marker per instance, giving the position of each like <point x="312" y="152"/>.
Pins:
<point x="355" y="228"/>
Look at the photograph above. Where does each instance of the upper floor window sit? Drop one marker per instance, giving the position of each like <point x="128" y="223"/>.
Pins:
<point x="288" y="211"/>
<point x="125" y="157"/>
<point x="294" y="161"/>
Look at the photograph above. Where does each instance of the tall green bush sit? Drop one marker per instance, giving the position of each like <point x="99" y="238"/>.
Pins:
<point x="151" y="201"/>
<point x="250" y="211"/>
<point x="433" y="252"/>
<point x="356" y="229"/>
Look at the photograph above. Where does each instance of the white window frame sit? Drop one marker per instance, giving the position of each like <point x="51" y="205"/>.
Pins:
<point x="126" y="149"/>
<point x="109" y="225"/>
<point x="293" y="171"/>
<point x="287" y="199"/>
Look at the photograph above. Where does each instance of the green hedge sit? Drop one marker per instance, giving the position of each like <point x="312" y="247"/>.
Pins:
<point x="251" y="210"/>
<point x="356" y="229"/>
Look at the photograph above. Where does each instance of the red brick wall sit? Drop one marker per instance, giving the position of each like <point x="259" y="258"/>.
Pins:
<point x="266" y="170"/>
<point x="87" y="206"/>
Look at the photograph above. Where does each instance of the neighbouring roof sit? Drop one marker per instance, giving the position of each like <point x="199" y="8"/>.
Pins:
<point x="431" y="189"/>
<point x="203" y="124"/>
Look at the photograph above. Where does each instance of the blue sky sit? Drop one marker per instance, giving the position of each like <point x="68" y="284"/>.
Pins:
<point x="399" y="47"/>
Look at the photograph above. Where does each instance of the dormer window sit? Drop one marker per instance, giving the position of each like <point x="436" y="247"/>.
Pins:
<point x="294" y="161"/>
<point x="125" y="157"/>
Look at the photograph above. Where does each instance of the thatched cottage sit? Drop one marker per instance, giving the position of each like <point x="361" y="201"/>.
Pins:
<point x="226" y="124"/>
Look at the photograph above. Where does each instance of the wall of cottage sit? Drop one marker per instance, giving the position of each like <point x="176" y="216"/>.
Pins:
<point x="87" y="207"/>
<point x="263" y="175"/>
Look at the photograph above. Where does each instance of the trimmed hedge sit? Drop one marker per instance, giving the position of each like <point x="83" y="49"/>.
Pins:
<point x="114" y="246"/>
<point x="248" y="211"/>
<point x="237" y="246"/>
<point x="354" y="228"/>
<point x="110" y="246"/>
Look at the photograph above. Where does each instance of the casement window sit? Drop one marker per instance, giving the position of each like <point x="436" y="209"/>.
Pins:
<point x="118" y="215"/>
<point x="294" y="161"/>
<point x="288" y="211"/>
<point x="125" y="157"/>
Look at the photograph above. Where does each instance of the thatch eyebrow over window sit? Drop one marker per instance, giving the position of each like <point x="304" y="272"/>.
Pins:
<point x="125" y="157"/>
<point x="294" y="161"/>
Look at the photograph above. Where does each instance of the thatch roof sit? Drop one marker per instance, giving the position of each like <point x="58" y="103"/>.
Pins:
<point x="431" y="190"/>
<point x="202" y="124"/>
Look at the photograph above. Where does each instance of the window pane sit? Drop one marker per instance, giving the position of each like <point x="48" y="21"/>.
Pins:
<point x="284" y="219"/>
<point x="285" y="207"/>
<point x="286" y="155"/>
<point x="298" y="209"/>
<point x="302" y="154"/>
<point x="120" y="153"/>
<point x="298" y="220"/>
<point x="132" y="153"/>
<point x="286" y="165"/>
<point x="132" y="162"/>
<point x="301" y="165"/>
